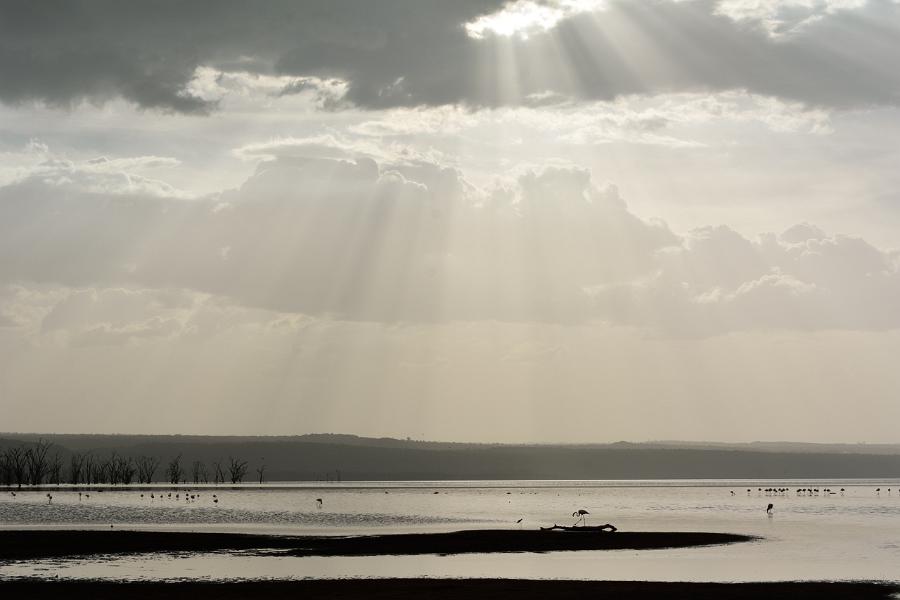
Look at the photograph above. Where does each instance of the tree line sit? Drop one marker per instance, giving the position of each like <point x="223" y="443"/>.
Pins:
<point x="35" y="464"/>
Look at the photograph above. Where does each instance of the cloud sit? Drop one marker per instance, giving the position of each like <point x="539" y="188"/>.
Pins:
<point x="323" y="229"/>
<point x="524" y="17"/>
<point x="442" y="53"/>
<point x="780" y="17"/>
<point x="102" y="175"/>
<point x="803" y="279"/>
<point x="353" y="239"/>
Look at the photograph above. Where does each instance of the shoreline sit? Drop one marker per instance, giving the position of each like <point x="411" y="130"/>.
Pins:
<point x="42" y="544"/>
<point x="444" y="589"/>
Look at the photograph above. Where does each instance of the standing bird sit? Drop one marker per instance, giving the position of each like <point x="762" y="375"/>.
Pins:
<point x="318" y="503"/>
<point x="769" y="508"/>
<point x="581" y="513"/>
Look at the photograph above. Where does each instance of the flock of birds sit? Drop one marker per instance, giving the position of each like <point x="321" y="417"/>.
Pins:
<point x="581" y="513"/>
<point x="154" y="496"/>
<point x="800" y="492"/>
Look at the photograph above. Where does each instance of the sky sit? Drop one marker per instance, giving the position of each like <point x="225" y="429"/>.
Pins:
<point x="478" y="220"/>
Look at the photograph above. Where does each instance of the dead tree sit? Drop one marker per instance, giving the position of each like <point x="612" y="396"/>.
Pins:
<point x="174" y="472"/>
<point x="219" y="473"/>
<point x="236" y="469"/>
<point x="198" y="471"/>
<point x="54" y="470"/>
<point x="111" y="469"/>
<point x="5" y="471"/>
<point x="15" y="465"/>
<point x="128" y="470"/>
<point x="120" y="469"/>
<point x="88" y="469"/>
<point x="76" y="464"/>
<point x="146" y="468"/>
<point x="36" y="458"/>
<point x="103" y="471"/>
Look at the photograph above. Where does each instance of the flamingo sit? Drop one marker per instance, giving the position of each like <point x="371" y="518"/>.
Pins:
<point x="581" y="513"/>
<point x="769" y="508"/>
<point x="318" y="503"/>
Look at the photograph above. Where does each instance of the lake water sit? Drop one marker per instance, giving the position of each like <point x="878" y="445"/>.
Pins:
<point x="837" y="536"/>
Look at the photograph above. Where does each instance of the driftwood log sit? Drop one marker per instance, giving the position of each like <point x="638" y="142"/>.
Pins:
<point x="606" y="528"/>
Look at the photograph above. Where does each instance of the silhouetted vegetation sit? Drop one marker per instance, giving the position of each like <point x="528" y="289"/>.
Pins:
<point x="237" y="468"/>
<point x="174" y="471"/>
<point x="76" y="464"/>
<point x="16" y="465"/>
<point x="219" y="473"/>
<point x="146" y="468"/>
<point x="198" y="471"/>
<point x="32" y="463"/>
<point x="54" y="470"/>
<point x="36" y="461"/>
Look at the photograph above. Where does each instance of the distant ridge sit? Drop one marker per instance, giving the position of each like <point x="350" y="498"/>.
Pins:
<point x="313" y="457"/>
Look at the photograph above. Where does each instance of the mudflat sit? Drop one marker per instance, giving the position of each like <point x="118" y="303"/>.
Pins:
<point x="36" y="544"/>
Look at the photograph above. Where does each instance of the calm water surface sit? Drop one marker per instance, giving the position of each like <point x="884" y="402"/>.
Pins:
<point x="854" y="535"/>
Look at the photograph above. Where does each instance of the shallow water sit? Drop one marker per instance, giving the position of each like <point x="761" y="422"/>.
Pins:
<point x="854" y="535"/>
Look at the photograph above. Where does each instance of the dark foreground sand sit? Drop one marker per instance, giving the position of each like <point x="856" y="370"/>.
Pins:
<point x="441" y="589"/>
<point x="35" y="544"/>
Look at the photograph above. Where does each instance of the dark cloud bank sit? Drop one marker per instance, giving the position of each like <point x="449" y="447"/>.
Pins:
<point x="404" y="53"/>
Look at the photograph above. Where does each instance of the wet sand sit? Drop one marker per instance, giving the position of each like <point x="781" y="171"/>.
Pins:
<point x="37" y="544"/>
<point x="440" y="589"/>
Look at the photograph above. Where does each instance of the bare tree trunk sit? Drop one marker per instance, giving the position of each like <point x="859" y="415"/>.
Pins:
<point x="236" y="469"/>
<point x="147" y="466"/>
<point x="76" y="464"/>
<point x="36" y="457"/>
<point x="219" y="475"/>
<point x="174" y="471"/>
<point x="128" y="470"/>
<point x="5" y="470"/>
<point x="55" y="469"/>
<point x="89" y="469"/>
<point x="16" y="465"/>
<point x="198" y="472"/>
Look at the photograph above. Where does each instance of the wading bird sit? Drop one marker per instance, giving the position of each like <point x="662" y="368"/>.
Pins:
<point x="769" y="508"/>
<point x="581" y="513"/>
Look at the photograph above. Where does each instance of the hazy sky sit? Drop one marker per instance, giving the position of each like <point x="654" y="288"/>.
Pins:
<point x="539" y="220"/>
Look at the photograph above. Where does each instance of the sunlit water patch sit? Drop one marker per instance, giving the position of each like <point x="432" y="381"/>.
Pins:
<point x="851" y="536"/>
